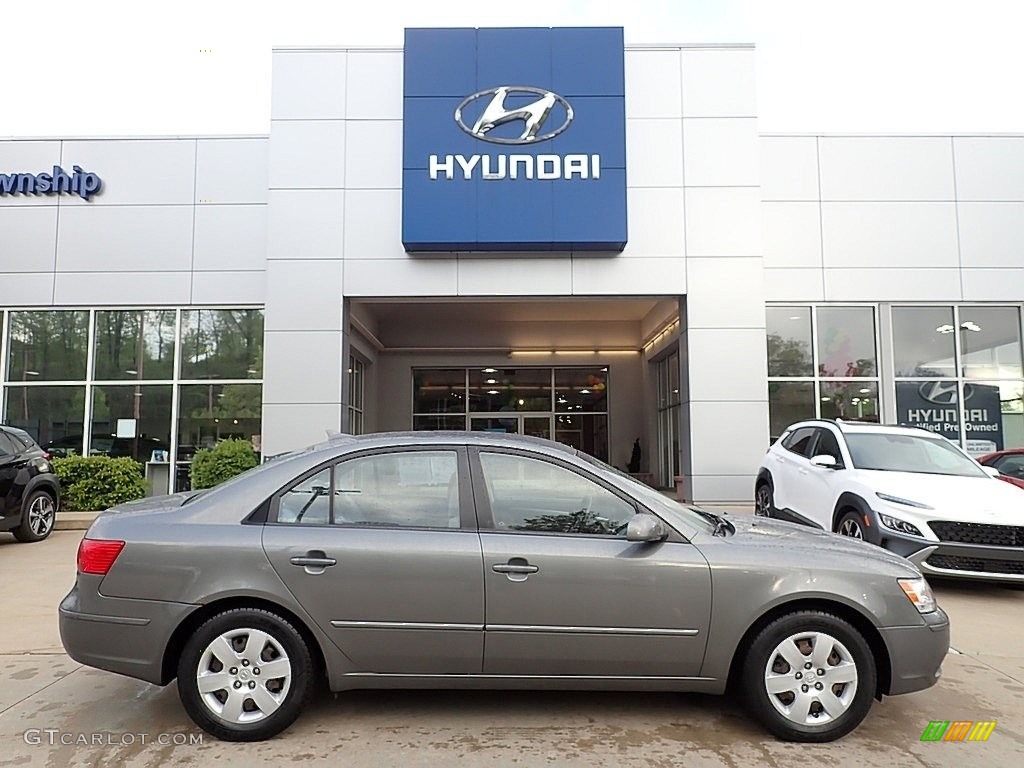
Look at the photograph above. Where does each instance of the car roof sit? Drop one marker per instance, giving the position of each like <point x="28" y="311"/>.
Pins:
<point x="866" y="427"/>
<point x="442" y="437"/>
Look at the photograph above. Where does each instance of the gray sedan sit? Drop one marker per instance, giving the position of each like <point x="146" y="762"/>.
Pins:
<point x="459" y="560"/>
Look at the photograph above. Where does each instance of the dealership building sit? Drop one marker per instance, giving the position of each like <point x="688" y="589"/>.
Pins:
<point x="539" y="231"/>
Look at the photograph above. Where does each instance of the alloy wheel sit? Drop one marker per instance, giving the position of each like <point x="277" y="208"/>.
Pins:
<point x="41" y="513"/>
<point x="762" y="501"/>
<point x="811" y="678"/>
<point x="851" y="527"/>
<point x="244" y="676"/>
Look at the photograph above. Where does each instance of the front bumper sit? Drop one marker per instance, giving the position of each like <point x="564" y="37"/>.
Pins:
<point x="951" y="559"/>
<point x="916" y="653"/>
<point x="128" y="637"/>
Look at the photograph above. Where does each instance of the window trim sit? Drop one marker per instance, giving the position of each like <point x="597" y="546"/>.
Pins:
<point x="467" y="515"/>
<point x="486" y="516"/>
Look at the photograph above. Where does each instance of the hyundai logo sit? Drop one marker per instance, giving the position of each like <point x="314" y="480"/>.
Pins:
<point x="943" y="392"/>
<point x="533" y="115"/>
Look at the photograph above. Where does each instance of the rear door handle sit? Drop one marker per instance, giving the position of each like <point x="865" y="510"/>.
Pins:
<point x="509" y="568"/>
<point x="314" y="562"/>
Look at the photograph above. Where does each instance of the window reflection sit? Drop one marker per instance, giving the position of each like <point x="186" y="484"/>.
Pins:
<point x="222" y="344"/>
<point x="789" y="341"/>
<point x="53" y="416"/>
<point x="50" y="345"/>
<point x="134" y="344"/>
<point x="846" y="341"/>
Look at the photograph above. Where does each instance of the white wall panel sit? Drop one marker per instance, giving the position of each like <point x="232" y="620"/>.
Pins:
<point x="723" y="222"/>
<point x="789" y="168"/>
<point x="718" y="83"/>
<point x="232" y="170"/>
<point x="655" y="216"/>
<point x="373" y="154"/>
<point x="721" y="152"/>
<point x="725" y="293"/>
<point x="230" y="237"/>
<point x="29" y="157"/>
<point x="714" y="351"/>
<point x="307" y="154"/>
<point x="232" y="287"/>
<point x="892" y="284"/>
<point x="134" y="171"/>
<point x="130" y="238"/>
<point x="654" y="153"/>
<point x="373" y="224"/>
<point x="989" y="167"/>
<point x="133" y="288"/>
<point x="305" y="224"/>
<point x="303" y="366"/>
<point x="628" y="277"/>
<point x="289" y="427"/>
<point x="791" y="234"/>
<point x="994" y="284"/>
<point x="519" y="277"/>
<point x="727" y="437"/>
<point x="992" y="234"/>
<point x="308" y="84"/>
<point x="799" y="284"/>
<point x="26" y="289"/>
<point x="28" y="237"/>
<point x="647" y="67"/>
<point x="374" y="85"/>
<point x="889" y="234"/>
<point x="401" y="277"/>
<point x="304" y="295"/>
<point x="886" y="168"/>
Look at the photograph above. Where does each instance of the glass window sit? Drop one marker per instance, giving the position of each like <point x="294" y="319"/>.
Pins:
<point x="423" y="423"/>
<point x="49" y="345"/>
<point x="308" y="502"/>
<point x="891" y="452"/>
<point x="800" y="441"/>
<point x="7" y="446"/>
<point x="828" y="445"/>
<point x="993" y="416"/>
<point x="533" y="495"/>
<point x="411" y="489"/>
<point x="131" y="420"/>
<point x="1011" y="465"/>
<point x="510" y="389"/>
<point x="52" y="416"/>
<point x="789" y="402"/>
<point x="222" y="344"/>
<point x="930" y="404"/>
<point x="923" y="341"/>
<point x="209" y="413"/>
<point x="789" y="341"/>
<point x="439" y="391"/>
<point x="585" y="432"/>
<point x="849" y="400"/>
<point x="990" y="342"/>
<point x="355" y="395"/>
<point x="846" y="341"/>
<point x="585" y="389"/>
<point x="134" y="344"/>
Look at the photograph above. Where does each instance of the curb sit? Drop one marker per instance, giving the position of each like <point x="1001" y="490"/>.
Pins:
<point x="74" y="521"/>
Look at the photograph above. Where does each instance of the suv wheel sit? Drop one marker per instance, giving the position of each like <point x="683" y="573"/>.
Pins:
<point x="245" y="675"/>
<point x="38" y="515"/>
<point x="851" y="524"/>
<point x="809" y="676"/>
<point x="764" y="501"/>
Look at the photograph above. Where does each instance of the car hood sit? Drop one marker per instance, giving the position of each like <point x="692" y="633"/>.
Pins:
<point x="812" y="547"/>
<point x="971" y="499"/>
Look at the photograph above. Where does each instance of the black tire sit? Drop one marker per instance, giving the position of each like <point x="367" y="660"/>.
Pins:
<point x="764" y="500"/>
<point x="850" y="522"/>
<point x="281" y="631"/>
<point x="29" y="529"/>
<point x="761" y="652"/>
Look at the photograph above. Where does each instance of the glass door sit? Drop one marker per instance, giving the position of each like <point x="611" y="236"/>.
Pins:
<point x="535" y="425"/>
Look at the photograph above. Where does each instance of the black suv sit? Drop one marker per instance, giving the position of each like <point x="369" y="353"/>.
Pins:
<point x="29" y="490"/>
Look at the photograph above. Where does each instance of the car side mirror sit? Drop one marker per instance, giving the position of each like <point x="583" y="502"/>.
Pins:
<point x="646" y="527"/>
<point x="991" y="471"/>
<point x="826" y="461"/>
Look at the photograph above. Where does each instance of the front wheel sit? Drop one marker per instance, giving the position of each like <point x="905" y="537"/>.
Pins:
<point x="809" y="676"/>
<point x="851" y="524"/>
<point x="245" y="675"/>
<point x="764" y="503"/>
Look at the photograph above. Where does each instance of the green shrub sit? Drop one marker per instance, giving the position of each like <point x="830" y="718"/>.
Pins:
<point x="227" y="459"/>
<point x="95" y="483"/>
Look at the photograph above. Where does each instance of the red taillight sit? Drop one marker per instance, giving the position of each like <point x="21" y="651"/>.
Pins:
<point x="96" y="556"/>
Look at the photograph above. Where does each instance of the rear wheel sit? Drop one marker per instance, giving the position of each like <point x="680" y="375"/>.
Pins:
<point x="245" y="675"/>
<point x="38" y="516"/>
<point x="809" y="676"/>
<point x="764" y="503"/>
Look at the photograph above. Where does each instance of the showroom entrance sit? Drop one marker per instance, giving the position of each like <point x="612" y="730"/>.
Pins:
<point x="577" y="371"/>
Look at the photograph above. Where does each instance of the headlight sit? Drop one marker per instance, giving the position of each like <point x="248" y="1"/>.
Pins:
<point x="919" y="593"/>
<point x="901" y="526"/>
<point x="904" y="502"/>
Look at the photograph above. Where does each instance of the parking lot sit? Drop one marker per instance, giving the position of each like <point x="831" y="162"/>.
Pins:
<point x="45" y="698"/>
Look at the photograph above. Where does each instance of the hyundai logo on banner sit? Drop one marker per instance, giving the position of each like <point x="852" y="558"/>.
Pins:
<point x="514" y="140"/>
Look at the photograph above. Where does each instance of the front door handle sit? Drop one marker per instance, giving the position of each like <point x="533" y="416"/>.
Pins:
<point x="516" y="569"/>
<point x="314" y="562"/>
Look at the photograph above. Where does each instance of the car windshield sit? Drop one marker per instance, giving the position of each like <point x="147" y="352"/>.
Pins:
<point x="894" y="452"/>
<point x="651" y="497"/>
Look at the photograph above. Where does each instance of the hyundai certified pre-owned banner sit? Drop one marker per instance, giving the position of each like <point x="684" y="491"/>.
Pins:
<point x="933" y="405"/>
<point x="514" y="140"/>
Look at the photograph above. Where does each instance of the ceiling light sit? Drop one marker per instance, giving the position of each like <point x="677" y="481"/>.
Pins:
<point x="968" y="325"/>
<point x="491" y="381"/>
<point x="945" y="329"/>
<point x="605" y="369"/>
<point x="825" y="398"/>
<point x="131" y="372"/>
<point x="796" y="317"/>
<point x="562" y="401"/>
<point x="492" y="391"/>
<point x="31" y="373"/>
<point x="522" y="402"/>
<point x="864" y="390"/>
<point x="584" y="391"/>
<point x="490" y="370"/>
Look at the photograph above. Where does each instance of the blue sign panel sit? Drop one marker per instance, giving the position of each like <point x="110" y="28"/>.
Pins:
<point x="514" y="140"/>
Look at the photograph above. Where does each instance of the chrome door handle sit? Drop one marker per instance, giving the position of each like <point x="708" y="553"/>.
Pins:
<point x="314" y="562"/>
<point x="510" y="568"/>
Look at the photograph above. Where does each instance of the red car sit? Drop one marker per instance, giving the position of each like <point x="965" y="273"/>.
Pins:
<point x="1009" y="463"/>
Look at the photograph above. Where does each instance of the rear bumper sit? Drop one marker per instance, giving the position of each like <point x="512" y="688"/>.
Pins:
<point x="950" y="559"/>
<point x="128" y="637"/>
<point x="916" y="653"/>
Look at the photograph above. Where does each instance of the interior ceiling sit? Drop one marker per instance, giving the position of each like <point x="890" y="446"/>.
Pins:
<point x="405" y="313"/>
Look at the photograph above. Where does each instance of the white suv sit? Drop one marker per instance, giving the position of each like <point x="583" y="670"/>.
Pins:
<point x="906" y="489"/>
